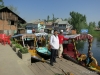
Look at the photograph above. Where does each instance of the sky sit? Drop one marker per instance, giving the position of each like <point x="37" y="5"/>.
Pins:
<point x="39" y="9"/>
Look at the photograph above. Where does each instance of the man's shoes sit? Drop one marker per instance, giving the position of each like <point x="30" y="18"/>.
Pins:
<point x="51" y="64"/>
<point x="55" y="62"/>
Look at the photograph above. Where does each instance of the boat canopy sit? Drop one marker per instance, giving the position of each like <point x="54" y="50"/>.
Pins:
<point x="30" y="35"/>
<point x="41" y="34"/>
<point x="79" y="36"/>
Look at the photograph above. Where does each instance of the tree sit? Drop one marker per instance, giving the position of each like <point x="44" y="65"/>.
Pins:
<point x="99" y="24"/>
<point x="78" y="20"/>
<point x="14" y="9"/>
<point x="65" y="19"/>
<point x="53" y="17"/>
<point x="1" y="3"/>
<point x="91" y="27"/>
<point x="48" y="17"/>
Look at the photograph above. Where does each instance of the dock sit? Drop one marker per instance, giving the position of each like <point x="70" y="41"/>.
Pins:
<point x="62" y="67"/>
<point x="11" y="64"/>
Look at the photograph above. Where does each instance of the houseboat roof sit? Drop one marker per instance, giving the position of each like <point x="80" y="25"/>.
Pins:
<point x="63" y="22"/>
<point x="3" y="8"/>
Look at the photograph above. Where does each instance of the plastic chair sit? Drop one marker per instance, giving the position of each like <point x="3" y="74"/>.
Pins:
<point x="5" y="39"/>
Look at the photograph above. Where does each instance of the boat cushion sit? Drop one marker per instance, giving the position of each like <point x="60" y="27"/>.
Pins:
<point x="43" y="50"/>
<point x="70" y="47"/>
<point x="70" y="53"/>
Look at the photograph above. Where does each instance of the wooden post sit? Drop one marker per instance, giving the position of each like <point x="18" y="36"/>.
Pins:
<point x="75" y="47"/>
<point x="90" y="44"/>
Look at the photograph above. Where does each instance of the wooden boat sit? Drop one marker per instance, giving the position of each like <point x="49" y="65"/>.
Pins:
<point x="35" y="57"/>
<point x="70" y="52"/>
<point x="30" y="38"/>
<point x="43" y="52"/>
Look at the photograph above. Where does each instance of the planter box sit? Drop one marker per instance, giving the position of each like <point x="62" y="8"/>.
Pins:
<point x="16" y="50"/>
<point x="10" y="43"/>
<point x="25" y="57"/>
<point x="13" y="45"/>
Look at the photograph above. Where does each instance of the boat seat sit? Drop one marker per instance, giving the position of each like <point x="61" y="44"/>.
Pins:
<point x="71" y="54"/>
<point x="70" y="47"/>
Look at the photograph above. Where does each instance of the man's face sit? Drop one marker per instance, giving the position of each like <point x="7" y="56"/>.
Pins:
<point x="55" y="32"/>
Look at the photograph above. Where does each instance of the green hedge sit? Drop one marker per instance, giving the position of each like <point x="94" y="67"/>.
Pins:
<point x="23" y="50"/>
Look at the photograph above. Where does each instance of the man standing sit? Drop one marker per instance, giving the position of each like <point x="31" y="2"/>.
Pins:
<point x="54" y="43"/>
<point x="61" y="39"/>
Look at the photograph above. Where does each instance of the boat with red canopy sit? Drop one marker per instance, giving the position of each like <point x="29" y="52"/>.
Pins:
<point x="71" y="53"/>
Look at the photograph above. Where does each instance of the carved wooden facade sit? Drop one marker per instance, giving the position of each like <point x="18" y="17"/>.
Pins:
<point x="9" y="21"/>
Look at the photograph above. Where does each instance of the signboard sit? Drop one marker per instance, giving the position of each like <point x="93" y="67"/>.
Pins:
<point x="29" y="31"/>
<point x="84" y="31"/>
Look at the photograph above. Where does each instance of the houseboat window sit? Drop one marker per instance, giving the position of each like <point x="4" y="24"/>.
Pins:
<point x="64" y="25"/>
<point x="12" y="22"/>
<point x="60" y="25"/>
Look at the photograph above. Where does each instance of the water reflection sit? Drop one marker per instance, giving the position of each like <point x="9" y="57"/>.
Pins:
<point x="82" y="47"/>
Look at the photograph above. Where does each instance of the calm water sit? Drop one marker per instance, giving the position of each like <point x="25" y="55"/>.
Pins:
<point x="83" y="48"/>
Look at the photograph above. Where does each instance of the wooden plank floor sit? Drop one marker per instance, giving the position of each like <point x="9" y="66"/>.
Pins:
<point x="40" y="68"/>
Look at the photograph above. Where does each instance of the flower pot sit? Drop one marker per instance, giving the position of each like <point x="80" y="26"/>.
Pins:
<point x="26" y="57"/>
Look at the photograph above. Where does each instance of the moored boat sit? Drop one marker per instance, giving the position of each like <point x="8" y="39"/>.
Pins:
<point x="70" y="52"/>
<point x="43" y="52"/>
<point x="30" y="41"/>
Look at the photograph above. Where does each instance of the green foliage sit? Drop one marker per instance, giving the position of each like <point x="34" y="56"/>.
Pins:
<point x="18" y="46"/>
<point x="91" y="27"/>
<point x="79" y="45"/>
<point x="13" y="42"/>
<point x="23" y="50"/>
<point x="1" y="3"/>
<point x="78" y="21"/>
<point x="99" y="24"/>
<point x="21" y="25"/>
<point x="14" y="9"/>
<point x="11" y="39"/>
<point x="48" y="17"/>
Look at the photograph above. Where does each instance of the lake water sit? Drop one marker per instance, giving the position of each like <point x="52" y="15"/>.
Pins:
<point x="83" y="48"/>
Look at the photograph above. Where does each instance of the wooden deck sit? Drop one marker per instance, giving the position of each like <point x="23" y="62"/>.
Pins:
<point x="40" y="68"/>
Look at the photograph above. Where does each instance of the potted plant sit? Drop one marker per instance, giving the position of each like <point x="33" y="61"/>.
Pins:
<point x="17" y="47"/>
<point x="13" y="44"/>
<point x="24" y="54"/>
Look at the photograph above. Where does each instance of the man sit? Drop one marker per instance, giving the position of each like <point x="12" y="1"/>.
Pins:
<point x="33" y="31"/>
<point x="61" y="39"/>
<point x="54" y="44"/>
<point x="90" y="59"/>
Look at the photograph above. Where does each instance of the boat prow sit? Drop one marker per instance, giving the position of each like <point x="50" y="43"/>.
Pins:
<point x="35" y="57"/>
<point x="43" y="52"/>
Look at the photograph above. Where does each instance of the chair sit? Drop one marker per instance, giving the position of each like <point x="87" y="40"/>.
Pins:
<point x="4" y="39"/>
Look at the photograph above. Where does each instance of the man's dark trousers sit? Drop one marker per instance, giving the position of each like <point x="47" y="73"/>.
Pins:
<point x="53" y="56"/>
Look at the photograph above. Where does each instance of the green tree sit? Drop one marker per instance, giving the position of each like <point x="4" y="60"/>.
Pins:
<point x="99" y="24"/>
<point x="1" y="3"/>
<point x="48" y="17"/>
<point x="78" y="21"/>
<point x="14" y="9"/>
<point x="65" y="19"/>
<point x="91" y="27"/>
<point x="53" y="17"/>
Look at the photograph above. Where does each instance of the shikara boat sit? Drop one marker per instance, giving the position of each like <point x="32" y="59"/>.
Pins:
<point x="30" y="40"/>
<point x="71" y="53"/>
<point x="42" y="50"/>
